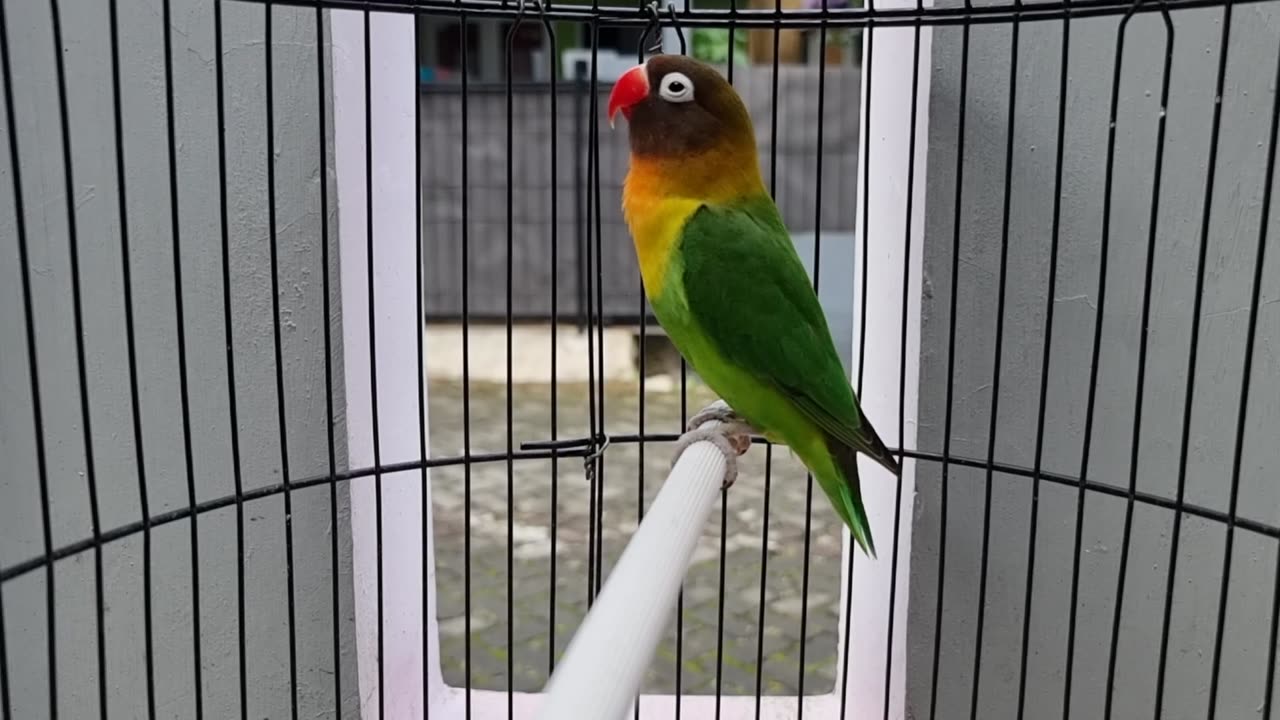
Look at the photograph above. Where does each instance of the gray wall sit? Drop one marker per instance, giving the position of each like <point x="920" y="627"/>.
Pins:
<point x="1232" y="244"/>
<point x="486" y="158"/>
<point x="298" y="178"/>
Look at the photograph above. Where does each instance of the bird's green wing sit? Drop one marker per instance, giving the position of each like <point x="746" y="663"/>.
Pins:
<point x="747" y="289"/>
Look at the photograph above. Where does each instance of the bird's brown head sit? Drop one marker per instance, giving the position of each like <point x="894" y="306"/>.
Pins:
<point x="680" y="107"/>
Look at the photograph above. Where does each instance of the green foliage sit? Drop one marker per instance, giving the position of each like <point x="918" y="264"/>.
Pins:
<point x="712" y="45"/>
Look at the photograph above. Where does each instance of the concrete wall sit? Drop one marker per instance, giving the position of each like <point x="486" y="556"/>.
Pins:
<point x="298" y="177"/>
<point x="1232" y="244"/>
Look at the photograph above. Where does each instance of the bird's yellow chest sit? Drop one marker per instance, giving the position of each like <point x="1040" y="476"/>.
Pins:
<point x="655" y="223"/>
<point x="661" y="194"/>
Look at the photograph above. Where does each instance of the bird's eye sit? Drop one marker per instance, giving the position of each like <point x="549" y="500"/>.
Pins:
<point x="676" y="87"/>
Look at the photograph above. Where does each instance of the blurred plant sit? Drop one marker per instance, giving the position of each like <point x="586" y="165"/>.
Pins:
<point x="843" y="37"/>
<point x="850" y="38"/>
<point x="711" y="45"/>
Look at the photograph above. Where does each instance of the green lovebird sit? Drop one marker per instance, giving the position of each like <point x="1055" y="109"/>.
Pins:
<point x="727" y="285"/>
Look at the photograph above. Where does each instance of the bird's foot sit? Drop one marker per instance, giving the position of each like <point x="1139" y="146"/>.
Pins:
<point x="732" y="436"/>
<point x="731" y="448"/>
<point x="718" y="411"/>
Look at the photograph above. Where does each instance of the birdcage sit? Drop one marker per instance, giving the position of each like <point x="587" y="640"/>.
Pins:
<point x="328" y="387"/>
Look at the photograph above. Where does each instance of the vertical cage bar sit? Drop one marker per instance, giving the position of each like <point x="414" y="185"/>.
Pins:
<point x="640" y="448"/>
<point x="684" y="419"/>
<point x="1193" y="352"/>
<point x="375" y="119"/>
<point x="183" y="386"/>
<point x="334" y="569"/>
<point x="555" y="321"/>
<point x="868" y="57"/>
<point x="281" y="413"/>
<point x="902" y="364"/>
<point x="994" y="412"/>
<point x="1153" y="221"/>
<point x="373" y="365"/>
<point x="1050" y="304"/>
<point x="599" y="286"/>
<point x="948" y="410"/>
<point x="466" y="374"/>
<point x="593" y="494"/>
<point x="817" y="274"/>
<point x="864" y="158"/>
<point x="580" y="218"/>
<point x="510" y="408"/>
<point x="764" y="573"/>
<point x="131" y="349"/>
<point x="804" y="594"/>
<point x="1269" y="679"/>
<point x="768" y="456"/>
<point x="33" y="368"/>
<point x="640" y="415"/>
<point x="640" y="430"/>
<point x="77" y="309"/>
<point x="1268" y="187"/>
<point x="724" y="492"/>
<point x="1082" y="477"/>
<point x="1246" y="373"/>
<point x="229" y="342"/>
<point x="5" y="705"/>
<point x="419" y="330"/>
<point x="1193" y="356"/>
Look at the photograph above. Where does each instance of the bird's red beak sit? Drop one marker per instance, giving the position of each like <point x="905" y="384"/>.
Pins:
<point x="630" y="89"/>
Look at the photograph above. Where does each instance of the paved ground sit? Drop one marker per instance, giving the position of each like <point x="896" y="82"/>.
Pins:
<point x="543" y="609"/>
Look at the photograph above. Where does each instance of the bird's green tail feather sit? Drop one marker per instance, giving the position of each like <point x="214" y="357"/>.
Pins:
<point x="847" y="497"/>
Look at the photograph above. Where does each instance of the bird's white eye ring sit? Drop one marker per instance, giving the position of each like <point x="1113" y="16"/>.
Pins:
<point x="676" y="87"/>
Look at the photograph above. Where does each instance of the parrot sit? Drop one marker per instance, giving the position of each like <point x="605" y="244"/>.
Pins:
<point x="725" y="282"/>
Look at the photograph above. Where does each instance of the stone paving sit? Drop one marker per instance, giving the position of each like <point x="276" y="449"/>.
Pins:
<point x="546" y="613"/>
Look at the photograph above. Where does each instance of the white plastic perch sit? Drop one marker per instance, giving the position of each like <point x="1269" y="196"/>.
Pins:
<point x="606" y="660"/>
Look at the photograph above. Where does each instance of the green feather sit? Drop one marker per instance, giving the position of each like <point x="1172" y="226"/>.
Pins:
<point x="743" y="312"/>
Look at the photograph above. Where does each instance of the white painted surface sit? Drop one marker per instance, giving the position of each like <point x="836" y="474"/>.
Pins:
<point x="394" y="225"/>
<point x="393" y="208"/>
<point x="605" y="662"/>
<point x="883" y="202"/>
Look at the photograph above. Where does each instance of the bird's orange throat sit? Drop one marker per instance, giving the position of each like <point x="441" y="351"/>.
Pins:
<point x="661" y="193"/>
<point x="720" y="174"/>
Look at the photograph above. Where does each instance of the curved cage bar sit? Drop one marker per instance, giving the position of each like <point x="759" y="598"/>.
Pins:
<point x="32" y="564"/>
<point x="328" y="386"/>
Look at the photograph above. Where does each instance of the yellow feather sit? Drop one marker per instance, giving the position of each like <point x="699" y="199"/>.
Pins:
<point x="661" y="193"/>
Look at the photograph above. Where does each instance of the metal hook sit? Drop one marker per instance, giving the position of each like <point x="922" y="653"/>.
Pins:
<point x="515" y="25"/>
<point x="654" y="22"/>
<point x="589" y="460"/>
<point x="546" y="22"/>
<point x="675" y="23"/>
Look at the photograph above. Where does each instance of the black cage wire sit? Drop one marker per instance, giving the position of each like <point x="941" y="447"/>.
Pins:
<point x="174" y="526"/>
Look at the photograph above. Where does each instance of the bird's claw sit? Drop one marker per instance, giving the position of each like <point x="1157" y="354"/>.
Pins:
<point x="723" y="442"/>
<point x="719" y="411"/>
<point x="732" y="436"/>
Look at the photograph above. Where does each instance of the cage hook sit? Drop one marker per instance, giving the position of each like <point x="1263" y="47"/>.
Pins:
<point x="597" y="451"/>
<point x="546" y="22"/>
<point x="655" y="21"/>
<point x="675" y="23"/>
<point x="515" y="25"/>
<point x="1133" y="9"/>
